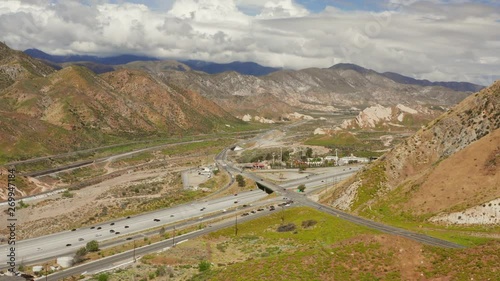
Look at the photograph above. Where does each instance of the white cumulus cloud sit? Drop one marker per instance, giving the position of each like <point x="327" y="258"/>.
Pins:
<point x="436" y="39"/>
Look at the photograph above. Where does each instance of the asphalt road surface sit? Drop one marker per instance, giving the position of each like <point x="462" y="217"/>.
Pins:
<point x="68" y="242"/>
<point x="128" y="256"/>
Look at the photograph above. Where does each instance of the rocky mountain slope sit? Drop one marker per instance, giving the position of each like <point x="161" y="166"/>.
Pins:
<point x="392" y="118"/>
<point x="15" y="65"/>
<point x="309" y="89"/>
<point x="44" y="111"/>
<point x="396" y="77"/>
<point x="451" y="166"/>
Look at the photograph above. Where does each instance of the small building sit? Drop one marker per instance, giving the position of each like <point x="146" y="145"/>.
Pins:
<point x="352" y="159"/>
<point x="259" y="165"/>
<point x="330" y="158"/>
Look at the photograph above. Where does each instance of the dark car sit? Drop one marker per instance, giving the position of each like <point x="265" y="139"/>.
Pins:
<point x="126" y="226"/>
<point x="112" y="223"/>
<point x="118" y="232"/>
<point x="74" y="229"/>
<point x="67" y="245"/>
<point x="157" y="220"/>
<point x="111" y="230"/>
<point x="128" y="217"/>
<point x="99" y="227"/>
<point x="92" y="227"/>
<point x="171" y="216"/>
<point x="129" y="238"/>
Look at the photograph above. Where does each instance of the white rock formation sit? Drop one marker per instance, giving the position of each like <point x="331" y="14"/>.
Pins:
<point x="247" y="118"/>
<point x="406" y="109"/>
<point x="486" y="213"/>
<point x="297" y="115"/>
<point x="319" y="131"/>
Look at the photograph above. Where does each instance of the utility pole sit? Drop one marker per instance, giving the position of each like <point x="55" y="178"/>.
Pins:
<point x="134" y="252"/>
<point x="173" y="238"/>
<point x="46" y="272"/>
<point x="236" y="225"/>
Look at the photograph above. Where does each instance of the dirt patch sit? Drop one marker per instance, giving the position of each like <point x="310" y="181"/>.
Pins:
<point x="397" y="254"/>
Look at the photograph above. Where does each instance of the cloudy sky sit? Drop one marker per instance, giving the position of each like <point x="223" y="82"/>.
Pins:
<point x="434" y="39"/>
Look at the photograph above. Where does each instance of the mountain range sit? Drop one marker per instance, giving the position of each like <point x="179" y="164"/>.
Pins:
<point x="43" y="110"/>
<point x="312" y="89"/>
<point x="71" y="107"/>
<point x="246" y="68"/>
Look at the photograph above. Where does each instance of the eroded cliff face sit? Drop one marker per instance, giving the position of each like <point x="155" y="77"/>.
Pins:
<point x="451" y="164"/>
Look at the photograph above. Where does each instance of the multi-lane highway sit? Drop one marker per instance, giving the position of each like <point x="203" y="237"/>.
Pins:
<point x="128" y="256"/>
<point x="66" y="243"/>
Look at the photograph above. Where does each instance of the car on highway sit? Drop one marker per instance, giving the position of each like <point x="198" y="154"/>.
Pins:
<point x="118" y="232"/>
<point x="224" y="210"/>
<point x="235" y="201"/>
<point x="92" y="227"/>
<point x="129" y="238"/>
<point x="99" y="227"/>
<point x="111" y="230"/>
<point x="156" y="220"/>
<point x="126" y="226"/>
<point x="67" y="245"/>
<point x="171" y="216"/>
<point x="80" y="239"/>
<point x="253" y="212"/>
<point x="236" y="194"/>
<point x="74" y="229"/>
<point x="245" y="214"/>
<point x="128" y="217"/>
<point x="202" y="209"/>
<point x="260" y="209"/>
<point x="112" y="223"/>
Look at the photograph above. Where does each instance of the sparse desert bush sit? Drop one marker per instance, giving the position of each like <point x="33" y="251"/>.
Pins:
<point x="287" y="227"/>
<point x="308" y="223"/>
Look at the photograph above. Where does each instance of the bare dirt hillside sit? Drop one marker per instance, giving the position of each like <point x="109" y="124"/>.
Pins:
<point x="449" y="165"/>
<point x="44" y="111"/>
